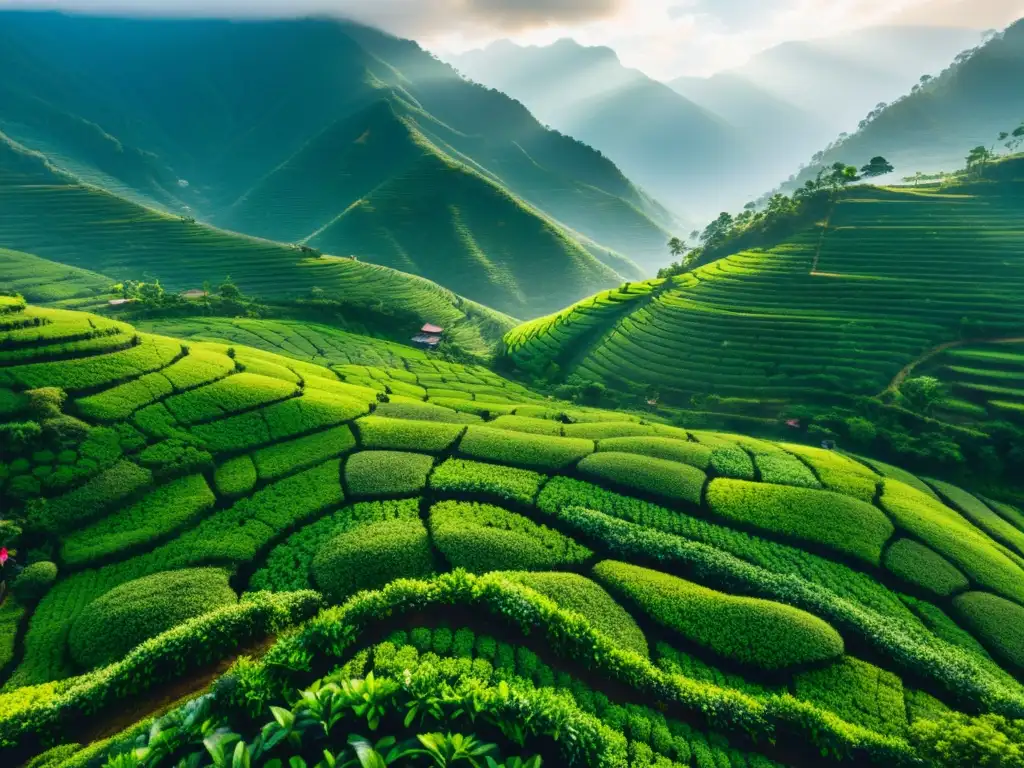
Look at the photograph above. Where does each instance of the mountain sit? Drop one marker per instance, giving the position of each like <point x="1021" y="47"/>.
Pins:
<point x="832" y="316"/>
<point x="332" y="135"/>
<point x="682" y="153"/>
<point x="929" y="128"/>
<point x="798" y="96"/>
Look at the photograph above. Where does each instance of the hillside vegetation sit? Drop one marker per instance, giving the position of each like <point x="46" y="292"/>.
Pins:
<point x="841" y="310"/>
<point x="597" y="588"/>
<point x="358" y="144"/>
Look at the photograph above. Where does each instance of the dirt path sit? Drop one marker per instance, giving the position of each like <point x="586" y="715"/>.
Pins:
<point x="902" y="376"/>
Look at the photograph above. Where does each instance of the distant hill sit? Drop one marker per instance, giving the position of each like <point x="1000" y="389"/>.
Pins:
<point x="303" y="131"/>
<point x="796" y="97"/>
<point x="967" y="104"/>
<point x="679" y="151"/>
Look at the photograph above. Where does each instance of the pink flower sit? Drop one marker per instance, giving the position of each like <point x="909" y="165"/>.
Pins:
<point x="3" y="555"/>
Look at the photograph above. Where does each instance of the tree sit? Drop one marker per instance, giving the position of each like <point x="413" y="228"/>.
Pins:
<point x="878" y="166"/>
<point x="229" y="290"/>
<point x="677" y="247"/>
<point x="923" y="392"/>
<point x="978" y="158"/>
<point x="838" y="176"/>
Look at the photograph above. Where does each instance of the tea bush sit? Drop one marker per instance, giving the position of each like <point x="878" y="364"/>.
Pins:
<point x="376" y="432"/>
<point x="495" y="480"/>
<point x="924" y="568"/>
<point x="386" y="473"/>
<point x="677" y="482"/>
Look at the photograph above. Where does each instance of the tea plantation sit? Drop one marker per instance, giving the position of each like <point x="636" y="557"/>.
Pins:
<point x="834" y="312"/>
<point x="228" y="555"/>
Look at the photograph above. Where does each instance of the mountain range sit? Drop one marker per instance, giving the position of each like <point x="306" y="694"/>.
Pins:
<point x="703" y="144"/>
<point x="332" y="136"/>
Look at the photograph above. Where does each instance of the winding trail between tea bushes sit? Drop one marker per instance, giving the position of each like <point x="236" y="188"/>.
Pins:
<point x="902" y="376"/>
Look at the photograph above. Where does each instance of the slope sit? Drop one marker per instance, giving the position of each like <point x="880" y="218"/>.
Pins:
<point x="265" y="102"/>
<point x="592" y="586"/>
<point x="968" y="104"/>
<point x="52" y="215"/>
<point x="678" y="151"/>
<point x="831" y="313"/>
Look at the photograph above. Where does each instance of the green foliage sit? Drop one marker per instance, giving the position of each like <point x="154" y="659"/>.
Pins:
<point x="954" y="538"/>
<point x="835" y="521"/>
<point x="425" y="412"/>
<point x="372" y="555"/>
<point x="174" y="457"/>
<point x="998" y="623"/>
<point x="506" y="483"/>
<point x="958" y="741"/>
<point x="275" y="461"/>
<point x="678" y="482"/>
<point x="158" y="514"/>
<point x="288" y="565"/>
<point x="858" y="692"/>
<point x="376" y="432"/>
<point x="527" y="424"/>
<point x="95" y="497"/>
<point x="684" y="452"/>
<point x="235" y="393"/>
<point x="113" y="624"/>
<point x="540" y="452"/>
<point x="573" y="592"/>
<point x="34" y="582"/>
<point x="764" y="634"/>
<point x="481" y="538"/>
<point x="236" y="477"/>
<point x="386" y="473"/>
<point x="924" y="568"/>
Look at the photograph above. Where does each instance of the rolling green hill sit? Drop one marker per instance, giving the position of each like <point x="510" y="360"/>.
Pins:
<point x="344" y="115"/>
<point x="968" y="104"/>
<point x="674" y="596"/>
<point x="76" y="231"/>
<point x="837" y="312"/>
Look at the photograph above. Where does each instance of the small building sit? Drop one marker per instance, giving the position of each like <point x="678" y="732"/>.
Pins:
<point x="828" y="445"/>
<point x="426" y="341"/>
<point x="119" y="302"/>
<point x="195" y="293"/>
<point x="432" y="330"/>
<point x="793" y="423"/>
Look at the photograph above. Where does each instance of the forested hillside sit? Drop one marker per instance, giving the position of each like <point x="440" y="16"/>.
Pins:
<point x="365" y="138"/>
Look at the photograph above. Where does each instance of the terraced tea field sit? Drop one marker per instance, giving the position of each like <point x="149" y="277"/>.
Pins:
<point x="424" y="549"/>
<point x="835" y="311"/>
<point x="985" y="381"/>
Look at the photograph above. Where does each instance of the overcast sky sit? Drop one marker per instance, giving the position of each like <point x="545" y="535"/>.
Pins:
<point x="665" y="38"/>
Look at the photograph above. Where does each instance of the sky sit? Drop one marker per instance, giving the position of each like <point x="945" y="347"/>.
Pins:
<point x="664" y="38"/>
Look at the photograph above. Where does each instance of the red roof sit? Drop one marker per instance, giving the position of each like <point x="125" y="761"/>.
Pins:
<point x="432" y="329"/>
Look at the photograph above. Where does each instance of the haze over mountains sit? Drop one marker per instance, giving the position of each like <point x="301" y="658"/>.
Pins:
<point x="717" y="142"/>
<point x="331" y="135"/>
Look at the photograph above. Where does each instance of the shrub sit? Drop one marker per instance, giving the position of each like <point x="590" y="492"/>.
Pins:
<point x="612" y="429"/>
<point x="527" y="424"/>
<point x="34" y="582"/>
<point x="425" y="412"/>
<point x="831" y="519"/>
<point x="161" y="512"/>
<point x="277" y="460"/>
<point x="173" y="457"/>
<point x="236" y="477"/>
<point x="508" y="483"/>
<point x="96" y="496"/>
<point x="858" y="692"/>
<point x="235" y="393"/>
<point x="981" y="515"/>
<point x="403" y="435"/>
<point x="921" y="566"/>
<point x="371" y="556"/>
<point x="954" y="538"/>
<point x="573" y="592"/>
<point x="111" y="625"/>
<point x="387" y="473"/>
<point x="541" y="452"/>
<point x="998" y="623"/>
<point x="765" y="634"/>
<point x="481" y="538"/>
<point x="694" y="454"/>
<point x="679" y="482"/>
